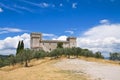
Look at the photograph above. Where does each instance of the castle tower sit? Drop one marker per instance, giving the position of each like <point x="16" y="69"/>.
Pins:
<point x="36" y="38"/>
<point x="72" y="41"/>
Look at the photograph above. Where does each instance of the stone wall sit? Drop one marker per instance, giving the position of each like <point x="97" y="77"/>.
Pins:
<point x="49" y="45"/>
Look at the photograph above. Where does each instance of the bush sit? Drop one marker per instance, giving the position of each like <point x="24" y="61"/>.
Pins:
<point x="114" y="56"/>
<point x="12" y="59"/>
<point x="40" y="54"/>
<point x="98" y="55"/>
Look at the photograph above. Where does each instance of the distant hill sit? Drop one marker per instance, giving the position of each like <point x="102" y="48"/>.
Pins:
<point x="4" y="56"/>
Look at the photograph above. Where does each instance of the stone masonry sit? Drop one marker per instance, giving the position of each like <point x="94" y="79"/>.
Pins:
<point x="48" y="45"/>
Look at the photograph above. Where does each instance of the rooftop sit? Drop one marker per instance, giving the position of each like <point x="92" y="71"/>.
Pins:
<point x="55" y="41"/>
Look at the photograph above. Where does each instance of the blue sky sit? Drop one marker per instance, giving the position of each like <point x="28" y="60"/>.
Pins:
<point x="61" y="18"/>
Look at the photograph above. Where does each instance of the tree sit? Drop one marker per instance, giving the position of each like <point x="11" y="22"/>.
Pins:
<point x="18" y="48"/>
<point x="59" y="45"/>
<point x="114" y="56"/>
<point x="1" y="62"/>
<point x="67" y="52"/>
<point x="26" y="56"/>
<point x="54" y="53"/>
<point x="22" y="45"/>
<point x="77" y="51"/>
<point x="12" y="59"/>
<point x="98" y="55"/>
<point x="20" y="52"/>
<point x="20" y="56"/>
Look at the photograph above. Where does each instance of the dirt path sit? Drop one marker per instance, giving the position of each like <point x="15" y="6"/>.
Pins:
<point x="97" y="71"/>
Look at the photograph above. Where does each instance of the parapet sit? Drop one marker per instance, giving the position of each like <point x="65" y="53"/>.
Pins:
<point x="71" y="38"/>
<point x="36" y="34"/>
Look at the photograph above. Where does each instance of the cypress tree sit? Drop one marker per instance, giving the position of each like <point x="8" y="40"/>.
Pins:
<point x="18" y="48"/>
<point x="22" y="45"/>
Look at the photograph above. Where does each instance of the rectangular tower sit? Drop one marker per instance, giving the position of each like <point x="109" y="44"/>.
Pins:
<point x="72" y="41"/>
<point x="35" y="40"/>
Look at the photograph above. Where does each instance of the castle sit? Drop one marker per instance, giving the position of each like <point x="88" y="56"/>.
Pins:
<point x="48" y="45"/>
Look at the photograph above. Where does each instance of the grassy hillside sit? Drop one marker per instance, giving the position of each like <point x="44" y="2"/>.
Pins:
<point x="100" y="60"/>
<point x="44" y="69"/>
<point x="38" y="70"/>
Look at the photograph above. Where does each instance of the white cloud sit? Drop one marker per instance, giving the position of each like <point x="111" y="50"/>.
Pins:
<point x="9" y="8"/>
<point x="3" y="32"/>
<point x="61" y="38"/>
<point x="7" y="51"/>
<point x="74" y="5"/>
<point x="42" y="5"/>
<point x="23" y="8"/>
<point x="46" y="5"/>
<point x="71" y="32"/>
<point x="1" y="10"/>
<point x="104" y="30"/>
<point x="9" y="44"/>
<point x="49" y="35"/>
<point x="7" y="30"/>
<point x="104" y="38"/>
<point x="104" y="21"/>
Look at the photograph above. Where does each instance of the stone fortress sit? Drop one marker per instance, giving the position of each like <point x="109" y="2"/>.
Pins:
<point x="48" y="45"/>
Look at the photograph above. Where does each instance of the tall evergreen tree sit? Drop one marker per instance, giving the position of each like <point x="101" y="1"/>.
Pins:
<point x="18" y="48"/>
<point x="22" y="45"/>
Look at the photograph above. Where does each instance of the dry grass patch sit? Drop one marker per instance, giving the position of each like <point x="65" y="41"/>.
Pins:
<point x="100" y="60"/>
<point x="39" y="70"/>
<point x="73" y="76"/>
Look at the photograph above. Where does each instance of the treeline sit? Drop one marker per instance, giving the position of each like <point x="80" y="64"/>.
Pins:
<point x="75" y="51"/>
<point x="4" y="60"/>
<point x="23" y="56"/>
<point x="114" y="56"/>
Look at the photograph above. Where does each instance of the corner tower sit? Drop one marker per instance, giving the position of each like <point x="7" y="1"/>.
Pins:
<point x="36" y="38"/>
<point x="72" y="41"/>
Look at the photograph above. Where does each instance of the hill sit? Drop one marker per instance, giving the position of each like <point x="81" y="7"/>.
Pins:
<point x="38" y="70"/>
<point x="4" y="56"/>
<point x="63" y="69"/>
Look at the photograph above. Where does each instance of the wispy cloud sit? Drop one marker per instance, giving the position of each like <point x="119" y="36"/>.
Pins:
<point x="7" y="30"/>
<point x="3" y="32"/>
<point x="44" y="5"/>
<point x="71" y="32"/>
<point x="1" y="10"/>
<point x="104" y="21"/>
<point x="10" y="8"/>
<point x="31" y="3"/>
<point x="74" y="5"/>
<point x="63" y="37"/>
<point x="49" y="35"/>
<point x="23" y="8"/>
<point x="41" y="5"/>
